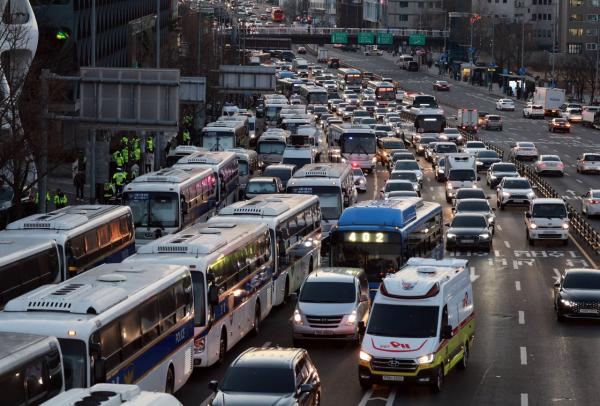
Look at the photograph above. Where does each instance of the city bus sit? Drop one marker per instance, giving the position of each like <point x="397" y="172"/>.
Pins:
<point x="248" y="164"/>
<point x="379" y="236"/>
<point x="25" y="264"/>
<point x="270" y="146"/>
<point x="358" y="144"/>
<point x="277" y="15"/>
<point x="116" y="323"/>
<point x="232" y="275"/>
<point x="417" y="99"/>
<point x="333" y="183"/>
<point x="86" y="235"/>
<point x="294" y="222"/>
<point x="179" y="152"/>
<point x="422" y="120"/>
<point x="349" y="79"/>
<point x="31" y="369"/>
<point x="226" y="171"/>
<point x="311" y="94"/>
<point x="385" y="92"/>
<point x="273" y="106"/>
<point x="223" y="135"/>
<point x="169" y="200"/>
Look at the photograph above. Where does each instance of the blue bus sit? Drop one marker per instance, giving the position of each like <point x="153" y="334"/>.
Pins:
<point x="381" y="235"/>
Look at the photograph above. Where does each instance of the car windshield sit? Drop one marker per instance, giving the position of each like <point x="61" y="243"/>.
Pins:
<point x="517" y="184"/>
<point x="470" y="194"/>
<point x="526" y="145"/>
<point x="473" y="206"/>
<point x="411" y="176"/>
<point x="462" y="175"/>
<point x="581" y="280"/>
<point x="427" y="140"/>
<point x="550" y="159"/>
<point x="505" y="168"/>
<point x="487" y="154"/>
<point x="403" y="321"/>
<point x="550" y="210"/>
<point x="595" y="194"/>
<point x="283" y="174"/>
<point x="393" y="144"/>
<point x="153" y="209"/>
<point x="328" y="292"/>
<point x="493" y="118"/>
<point x="394" y="186"/>
<point x="271" y="147"/>
<point x="299" y="162"/>
<point x="560" y="120"/>
<point x="259" y="379"/>
<point x="384" y="128"/>
<point x="361" y="113"/>
<point x="261" y="187"/>
<point x="403" y="156"/>
<point x="446" y="148"/>
<point x="591" y="157"/>
<point x="469" y="222"/>
<point x="406" y="165"/>
<point x="357" y="172"/>
<point x="451" y="131"/>
<point x="475" y="145"/>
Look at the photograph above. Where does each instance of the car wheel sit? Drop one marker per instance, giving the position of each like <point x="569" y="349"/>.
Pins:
<point x="438" y="383"/>
<point x="559" y="316"/>
<point x="365" y="384"/>
<point x="530" y="240"/>
<point x="170" y="384"/>
<point x="222" y="348"/>
<point x="565" y="242"/>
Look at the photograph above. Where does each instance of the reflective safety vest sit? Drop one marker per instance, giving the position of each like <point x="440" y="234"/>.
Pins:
<point x="186" y="136"/>
<point x="124" y="140"/>
<point x="37" y="197"/>
<point x="109" y="189"/>
<point x="137" y="154"/>
<point x="60" y="200"/>
<point x="149" y="144"/>
<point x="117" y="158"/>
<point x="125" y="155"/>
<point x="119" y="178"/>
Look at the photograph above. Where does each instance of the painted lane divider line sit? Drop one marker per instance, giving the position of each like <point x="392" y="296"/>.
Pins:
<point x="521" y="317"/>
<point x="518" y="286"/>
<point x="523" y="353"/>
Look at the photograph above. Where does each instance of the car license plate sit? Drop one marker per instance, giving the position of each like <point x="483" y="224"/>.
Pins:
<point x="588" y="311"/>
<point x="467" y="241"/>
<point x="393" y="378"/>
<point x="323" y="332"/>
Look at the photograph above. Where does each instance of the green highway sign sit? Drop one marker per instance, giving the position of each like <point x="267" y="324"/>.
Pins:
<point x="416" y="39"/>
<point x="384" y="38"/>
<point x="339" y="38"/>
<point x="366" y="38"/>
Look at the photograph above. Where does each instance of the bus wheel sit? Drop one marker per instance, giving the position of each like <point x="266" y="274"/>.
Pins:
<point x="222" y="347"/>
<point x="170" y="384"/>
<point x="465" y="359"/>
<point x="256" y="329"/>
<point x="438" y="383"/>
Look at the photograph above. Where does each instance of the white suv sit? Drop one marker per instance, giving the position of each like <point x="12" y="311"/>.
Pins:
<point x="547" y="219"/>
<point x="524" y="150"/>
<point x="516" y="191"/>
<point x="533" y="111"/>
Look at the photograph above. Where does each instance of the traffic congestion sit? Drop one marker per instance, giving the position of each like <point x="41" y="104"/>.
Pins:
<point x="346" y="241"/>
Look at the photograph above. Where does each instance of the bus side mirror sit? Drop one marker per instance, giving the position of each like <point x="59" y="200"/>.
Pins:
<point x="281" y="249"/>
<point x="528" y="215"/>
<point x="184" y="208"/>
<point x="99" y="370"/>
<point x="213" y="295"/>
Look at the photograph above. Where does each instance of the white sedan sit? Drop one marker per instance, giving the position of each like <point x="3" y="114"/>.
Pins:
<point x="505" y="104"/>
<point x="549" y="164"/>
<point x="590" y="203"/>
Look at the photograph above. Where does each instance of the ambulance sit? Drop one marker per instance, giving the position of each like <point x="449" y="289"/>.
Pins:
<point x="422" y="325"/>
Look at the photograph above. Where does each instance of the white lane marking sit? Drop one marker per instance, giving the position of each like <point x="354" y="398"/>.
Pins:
<point x="585" y="254"/>
<point x="431" y="188"/>
<point x="556" y="274"/>
<point x="523" y="352"/>
<point x="267" y="344"/>
<point x="474" y="277"/>
<point x="499" y="227"/>
<point x="517" y="285"/>
<point x="524" y="399"/>
<point x="521" y="317"/>
<point x="391" y="398"/>
<point x="567" y="174"/>
<point x="366" y="397"/>
<point x="579" y="180"/>
<point x="507" y="244"/>
<point x="567" y="156"/>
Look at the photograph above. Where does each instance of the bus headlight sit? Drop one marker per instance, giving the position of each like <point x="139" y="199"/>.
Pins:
<point x="297" y="317"/>
<point x="533" y="226"/>
<point x="199" y="344"/>
<point x="426" y="359"/>
<point x="565" y="226"/>
<point x="364" y="356"/>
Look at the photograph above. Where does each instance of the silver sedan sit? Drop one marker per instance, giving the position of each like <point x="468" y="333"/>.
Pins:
<point x="549" y="164"/>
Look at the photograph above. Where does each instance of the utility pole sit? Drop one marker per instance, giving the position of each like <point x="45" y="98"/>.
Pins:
<point x="522" y="42"/>
<point x="157" y="34"/>
<point x="92" y="134"/>
<point x="93" y="61"/>
<point x="554" y="22"/>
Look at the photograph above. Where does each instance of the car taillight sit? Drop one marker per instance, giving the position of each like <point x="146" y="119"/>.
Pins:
<point x="594" y="201"/>
<point x="542" y="165"/>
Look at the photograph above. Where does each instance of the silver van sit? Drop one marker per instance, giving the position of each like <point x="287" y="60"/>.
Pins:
<point x="331" y="304"/>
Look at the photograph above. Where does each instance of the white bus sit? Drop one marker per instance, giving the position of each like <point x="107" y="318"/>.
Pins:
<point x="232" y="274"/>
<point x="349" y="79"/>
<point x="31" y="369"/>
<point x="422" y="120"/>
<point x="272" y="108"/>
<point x="248" y="164"/>
<point x="358" y="144"/>
<point x="169" y="200"/>
<point x="26" y="264"/>
<point x="225" y="167"/>
<point x="86" y="235"/>
<point x="271" y="145"/>
<point x="294" y="224"/>
<point x="333" y="183"/>
<point x="116" y="323"/>
<point x="223" y="135"/>
<point x="179" y="152"/>
<point x="385" y="92"/>
<point x="312" y="94"/>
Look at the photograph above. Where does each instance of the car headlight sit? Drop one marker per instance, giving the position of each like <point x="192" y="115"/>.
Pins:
<point x="492" y="176"/>
<point x="484" y="236"/>
<point x="449" y="186"/>
<point x="567" y="303"/>
<point x="531" y="195"/>
<point x="374" y="160"/>
<point x="361" y="181"/>
<point x="416" y="187"/>
<point x="565" y="226"/>
<point x="460" y="137"/>
<point x="451" y="235"/>
<point x="479" y="163"/>
<point x="364" y="356"/>
<point x="441" y="170"/>
<point x="351" y="318"/>
<point x="426" y="359"/>
<point x="505" y="194"/>
<point x="297" y="317"/>
<point x="533" y="226"/>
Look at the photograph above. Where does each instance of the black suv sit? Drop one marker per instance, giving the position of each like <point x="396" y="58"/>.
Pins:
<point x="269" y="376"/>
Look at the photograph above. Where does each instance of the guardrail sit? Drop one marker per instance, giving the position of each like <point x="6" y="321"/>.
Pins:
<point x="579" y="227"/>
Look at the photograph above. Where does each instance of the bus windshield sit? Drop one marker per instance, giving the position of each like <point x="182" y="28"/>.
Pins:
<point x="358" y="143"/>
<point x="218" y="140"/>
<point x="430" y="123"/>
<point x="271" y="147"/>
<point x="317" y="98"/>
<point x="272" y="112"/>
<point x="386" y="94"/>
<point x="354" y="79"/>
<point x="153" y="209"/>
<point x="330" y="198"/>
<point x="74" y="356"/>
<point x="403" y="321"/>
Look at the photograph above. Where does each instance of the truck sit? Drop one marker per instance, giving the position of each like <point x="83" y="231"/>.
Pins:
<point x="550" y="98"/>
<point x="322" y="55"/>
<point x="466" y="120"/>
<point x="590" y="115"/>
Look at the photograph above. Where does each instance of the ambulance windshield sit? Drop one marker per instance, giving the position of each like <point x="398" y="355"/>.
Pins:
<point x="403" y="321"/>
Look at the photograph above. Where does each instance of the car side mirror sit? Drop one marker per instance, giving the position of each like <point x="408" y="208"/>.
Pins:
<point x="479" y="178"/>
<point x="213" y="295"/>
<point x="528" y="215"/>
<point x="446" y="332"/>
<point x="556" y="284"/>
<point x="448" y="224"/>
<point x="306" y="388"/>
<point x="361" y="327"/>
<point x="213" y="385"/>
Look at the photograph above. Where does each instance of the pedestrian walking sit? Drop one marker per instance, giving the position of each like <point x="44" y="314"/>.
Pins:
<point x="135" y="171"/>
<point x="60" y="199"/>
<point x="149" y="162"/>
<point x="79" y="182"/>
<point x="109" y="192"/>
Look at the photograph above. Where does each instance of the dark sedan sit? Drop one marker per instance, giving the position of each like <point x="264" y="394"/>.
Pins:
<point x="269" y="376"/>
<point x="485" y="159"/>
<point x="577" y="294"/>
<point x="469" y="231"/>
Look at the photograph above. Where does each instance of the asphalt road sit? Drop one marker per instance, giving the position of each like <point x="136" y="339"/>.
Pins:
<point x="516" y="128"/>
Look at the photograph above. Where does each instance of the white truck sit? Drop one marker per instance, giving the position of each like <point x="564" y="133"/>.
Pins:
<point x="466" y="120"/>
<point x="322" y="55"/>
<point x="590" y="115"/>
<point x="550" y="98"/>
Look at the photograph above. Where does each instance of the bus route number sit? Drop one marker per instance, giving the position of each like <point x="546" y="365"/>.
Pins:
<point x="366" y="237"/>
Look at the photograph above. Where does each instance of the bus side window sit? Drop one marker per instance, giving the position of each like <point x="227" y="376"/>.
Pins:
<point x="110" y="344"/>
<point x="131" y="335"/>
<point x="149" y="320"/>
<point x="166" y="308"/>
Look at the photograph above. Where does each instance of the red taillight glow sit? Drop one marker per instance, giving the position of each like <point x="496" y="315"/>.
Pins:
<point x="354" y="164"/>
<point x="594" y="201"/>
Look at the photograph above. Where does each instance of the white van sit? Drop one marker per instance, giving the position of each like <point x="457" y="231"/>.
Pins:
<point x="298" y="155"/>
<point x="460" y="172"/>
<point x="422" y="324"/>
<point x="547" y="219"/>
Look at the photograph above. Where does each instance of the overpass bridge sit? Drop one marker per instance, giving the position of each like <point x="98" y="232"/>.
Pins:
<point x="283" y="37"/>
